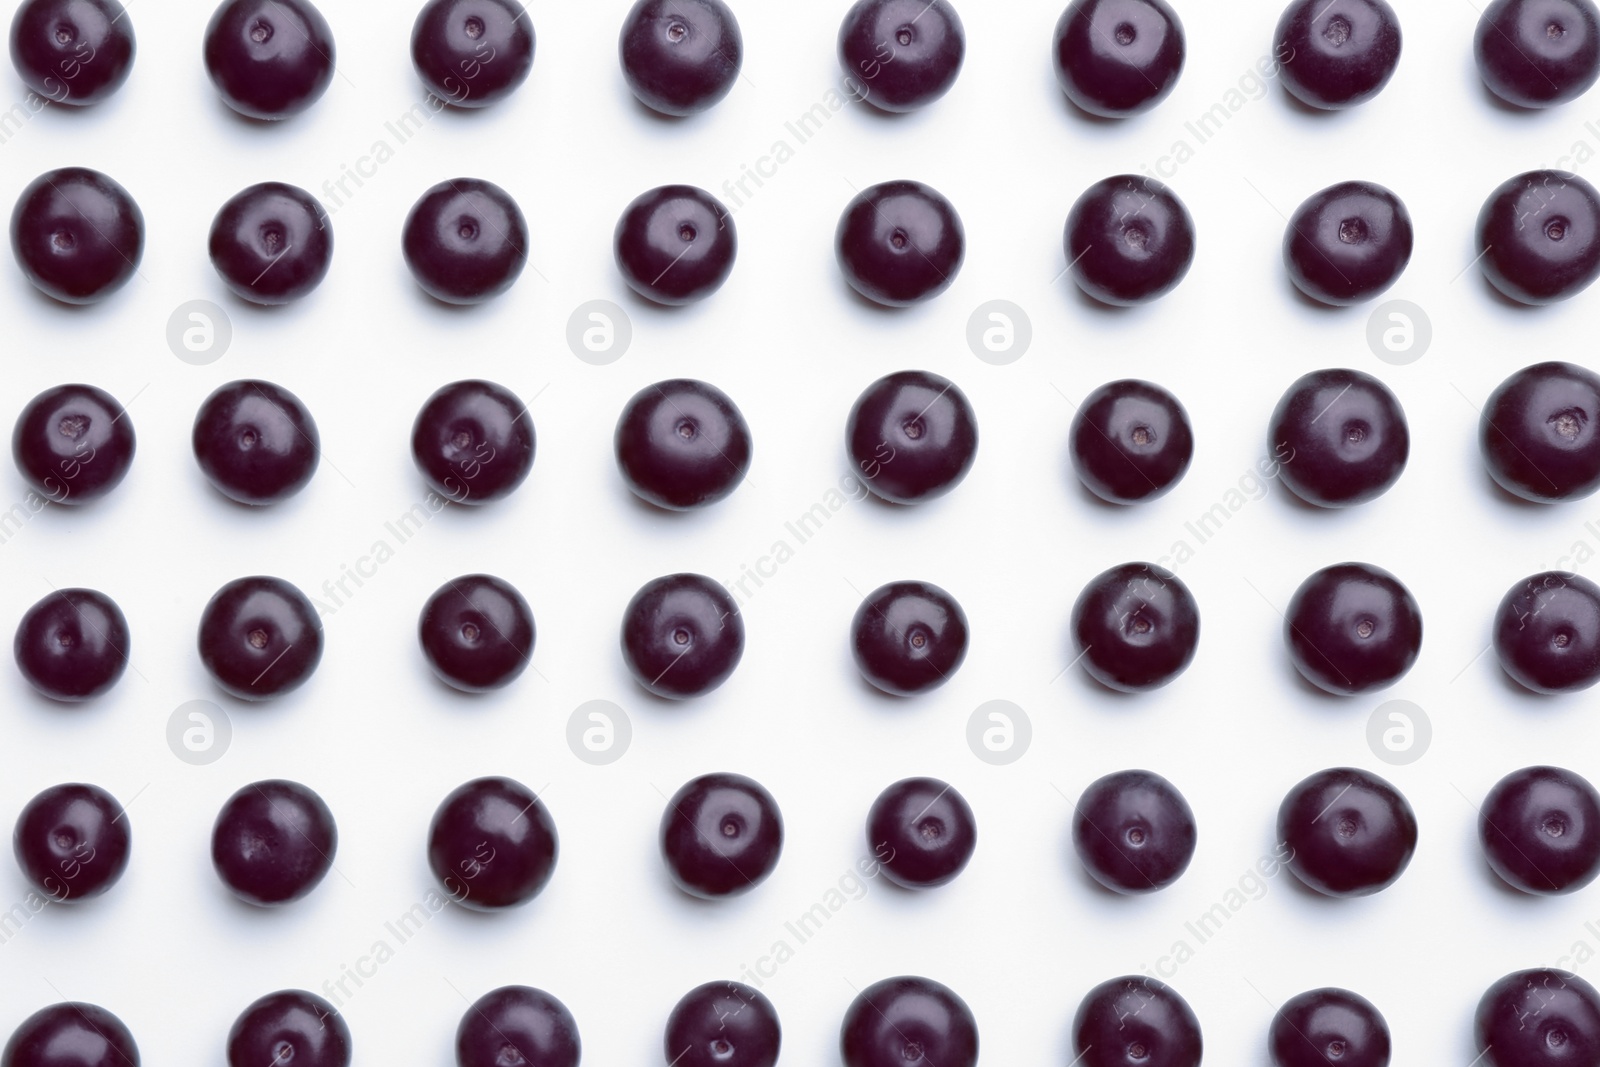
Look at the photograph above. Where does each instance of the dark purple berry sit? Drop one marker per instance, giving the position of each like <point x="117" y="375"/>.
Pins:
<point x="913" y="436"/>
<point x="1136" y="1021"/>
<point x="1350" y="832"/>
<point x="1116" y="58"/>
<point x="77" y="235"/>
<point x="290" y="1026"/>
<point x="73" y="52"/>
<point x="675" y="244"/>
<point x="1538" y="53"/>
<point x="72" y="842"/>
<point x="73" y="444"/>
<point x="922" y="831"/>
<point x="273" y="842"/>
<point x="477" y="633"/>
<point x="721" y="835"/>
<point x="1136" y="627"/>
<point x="472" y="53"/>
<point x="1335" y="54"/>
<point x="1348" y="243"/>
<point x="1547" y="632"/>
<point x="73" y="644"/>
<point x="682" y="444"/>
<point x="492" y="844"/>
<point x="1329" y="1026"/>
<point x="1341" y="436"/>
<point x="272" y="243"/>
<point x="1542" y="1018"/>
<point x="269" y="59"/>
<point x="518" y="1025"/>
<point x="682" y="636"/>
<point x="680" y="57"/>
<point x="256" y="442"/>
<point x="1539" y="237"/>
<point x="1540" y="830"/>
<point x="260" y="638"/>
<point x="473" y="441"/>
<point x="465" y="241"/>
<point x="909" y="1022"/>
<point x="1540" y="435"/>
<point x="1134" y="832"/>
<point x="909" y="637"/>
<point x="901" y="55"/>
<point x="900" y="243"/>
<point x="723" y="1024"/>
<point x="71" y="1035"/>
<point x="1129" y="240"/>
<point x="1131" y="442"/>
<point x="1352" y="628"/>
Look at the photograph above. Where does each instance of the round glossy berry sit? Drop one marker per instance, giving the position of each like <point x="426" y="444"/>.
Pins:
<point x="682" y="444"/>
<point x="71" y="1035"/>
<point x="477" y="633"/>
<point x="900" y="243"/>
<point x="922" y="831"/>
<point x="517" y="1025"/>
<point x="682" y="636"/>
<point x="1539" y="237"/>
<point x="1335" y="54"/>
<point x="492" y="844"/>
<point x="1547" y="632"/>
<point x="1351" y="833"/>
<point x="1540" y="830"/>
<point x="73" y="644"/>
<point x="472" y="53"/>
<point x="1116" y="58"/>
<point x="1136" y="627"/>
<point x="1131" y="442"/>
<point x="909" y="1022"/>
<point x="680" y="57"/>
<point x="272" y="243"/>
<point x="73" y="444"/>
<point x="901" y="55"/>
<point x="291" y="1026"/>
<point x="1134" y="832"/>
<point x="77" y="235"/>
<point x="721" y="835"/>
<point x="473" y="441"/>
<point x="1340" y="437"/>
<point x="1352" y="628"/>
<point x="465" y="241"/>
<point x="1348" y="243"/>
<point x="269" y="59"/>
<point x="256" y="442"/>
<point x="723" y="1024"/>
<point x="1540" y="1018"/>
<point x="912" y="436"/>
<point x="72" y="842"/>
<point x="676" y="244"/>
<point x="909" y="637"/>
<point x="1129" y="240"/>
<point x="73" y="52"/>
<point x="1538" y="53"/>
<point x="273" y="842"/>
<point x="1329" y="1026"/>
<point x="1136" y="1020"/>
<point x="1540" y="435"/>
<point x="260" y="638"/>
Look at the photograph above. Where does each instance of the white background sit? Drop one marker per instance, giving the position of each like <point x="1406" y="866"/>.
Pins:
<point x="1022" y="934"/>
